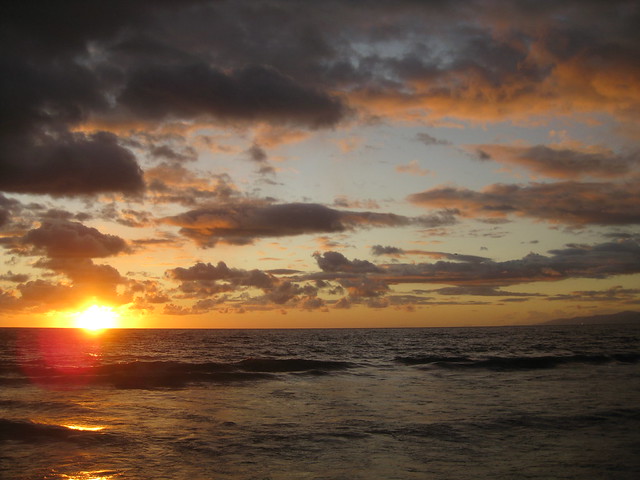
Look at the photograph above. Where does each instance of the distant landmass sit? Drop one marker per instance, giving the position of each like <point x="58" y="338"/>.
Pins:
<point x="610" y="319"/>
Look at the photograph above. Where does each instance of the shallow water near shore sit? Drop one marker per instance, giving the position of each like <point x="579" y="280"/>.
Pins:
<point x="545" y="402"/>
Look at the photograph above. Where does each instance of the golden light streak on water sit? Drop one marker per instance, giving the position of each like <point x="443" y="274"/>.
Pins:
<point x="96" y="475"/>
<point x="83" y="428"/>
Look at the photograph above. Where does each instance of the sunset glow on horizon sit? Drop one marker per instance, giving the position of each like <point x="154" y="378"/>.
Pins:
<point x="277" y="164"/>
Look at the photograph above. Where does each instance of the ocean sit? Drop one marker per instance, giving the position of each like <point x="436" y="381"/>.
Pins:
<point x="534" y="402"/>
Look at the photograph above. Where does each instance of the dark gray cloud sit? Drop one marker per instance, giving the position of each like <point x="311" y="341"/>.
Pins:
<point x="175" y="184"/>
<point x="205" y="271"/>
<point x="258" y="155"/>
<point x="388" y="250"/>
<point x="336" y="262"/>
<point x="55" y="29"/>
<point x="483" y="276"/>
<point x="205" y="279"/>
<point x="251" y="93"/>
<point x="364" y="287"/>
<point x="67" y="165"/>
<point x="4" y="216"/>
<point x="301" y="63"/>
<point x="242" y="223"/>
<point x="82" y="271"/>
<point x="43" y="100"/>
<point x="168" y="153"/>
<point x="575" y="261"/>
<point x="7" y="206"/>
<point x="613" y="294"/>
<point x="562" y="162"/>
<point x="571" y="203"/>
<point x="312" y="303"/>
<point x="424" y="137"/>
<point x="285" y="292"/>
<point x="482" y="291"/>
<point x="379" y="250"/>
<point x="14" y="277"/>
<point x="63" y="239"/>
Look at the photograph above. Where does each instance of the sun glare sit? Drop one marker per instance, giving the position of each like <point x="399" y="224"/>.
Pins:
<point x="96" y="318"/>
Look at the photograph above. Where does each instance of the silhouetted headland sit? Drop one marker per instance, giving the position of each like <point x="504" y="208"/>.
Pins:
<point x="620" y="318"/>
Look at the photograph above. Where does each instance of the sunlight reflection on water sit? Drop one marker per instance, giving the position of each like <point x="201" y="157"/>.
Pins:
<point x="84" y="428"/>
<point x="95" y="475"/>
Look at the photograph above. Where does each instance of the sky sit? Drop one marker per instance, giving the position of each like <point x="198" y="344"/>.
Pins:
<point x="283" y="164"/>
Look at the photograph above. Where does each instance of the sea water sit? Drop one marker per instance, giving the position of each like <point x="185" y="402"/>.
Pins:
<point x="544" y="402"/>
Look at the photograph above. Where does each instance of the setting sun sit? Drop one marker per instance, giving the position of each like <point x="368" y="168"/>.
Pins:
<point x="97" y="317"/>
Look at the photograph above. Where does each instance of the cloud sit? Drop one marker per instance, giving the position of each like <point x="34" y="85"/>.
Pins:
<point x="205" y="279"/>
<point x="379" y="250"/>
<point x="312" y="303"/>
<point x="562" y="163"/>
<point x="514" y="62"/>
<point x="336" y="262"/>
<point x="343" y="201"/>
<point x="258" y="155"/>
<point x="613" y="294"/>
<point x="479" y="275"/>
<point x="8" y="301"/>
<point x="482" y="291"/>
<point x="89" y="95"/>
<point x="242" y="223"/>
<point x="155" y="60"/>
<point x="14" y="277"/>
<point x="251" y="93"/>
<point x="572" y="203"/>
<point x="83" y="270"/>
<point x="63" y="239"/>
<point x="388" y="250"/>
<point x="67" y="165"/>
<point x="425" y="138"/>
<point x="413" y="168"/>
<point x="4" y="216"/>
<point x="168" y="153"/>
<point x="7" y="207"/>
<point x="284" y="292"/>
<point x="44" y="296"/>
<point x="204" y="271"/>
<point x="88" y="280"/>
<point x="575" y="261"/>
<point x="170" y="183"/>
<point x="364" y="287"/>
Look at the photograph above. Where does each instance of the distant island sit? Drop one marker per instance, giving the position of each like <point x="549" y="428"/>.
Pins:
<point x="610" y="319"/>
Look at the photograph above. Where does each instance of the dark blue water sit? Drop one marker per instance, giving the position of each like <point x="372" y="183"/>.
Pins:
<point x="543" y="402"/>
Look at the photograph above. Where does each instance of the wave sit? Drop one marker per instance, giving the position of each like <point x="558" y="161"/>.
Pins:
<point x="516" y="363"/>
<point x="172" y="374"/>
<point x="291" y="365"/>
<point x="28" y="431"/>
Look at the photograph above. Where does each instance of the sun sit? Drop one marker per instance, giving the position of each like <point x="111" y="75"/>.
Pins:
<point x="96" y="318"/>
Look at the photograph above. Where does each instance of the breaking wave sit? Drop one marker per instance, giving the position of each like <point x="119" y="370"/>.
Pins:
<point x="170" y="374"/>
<point x="29" y="431"/>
